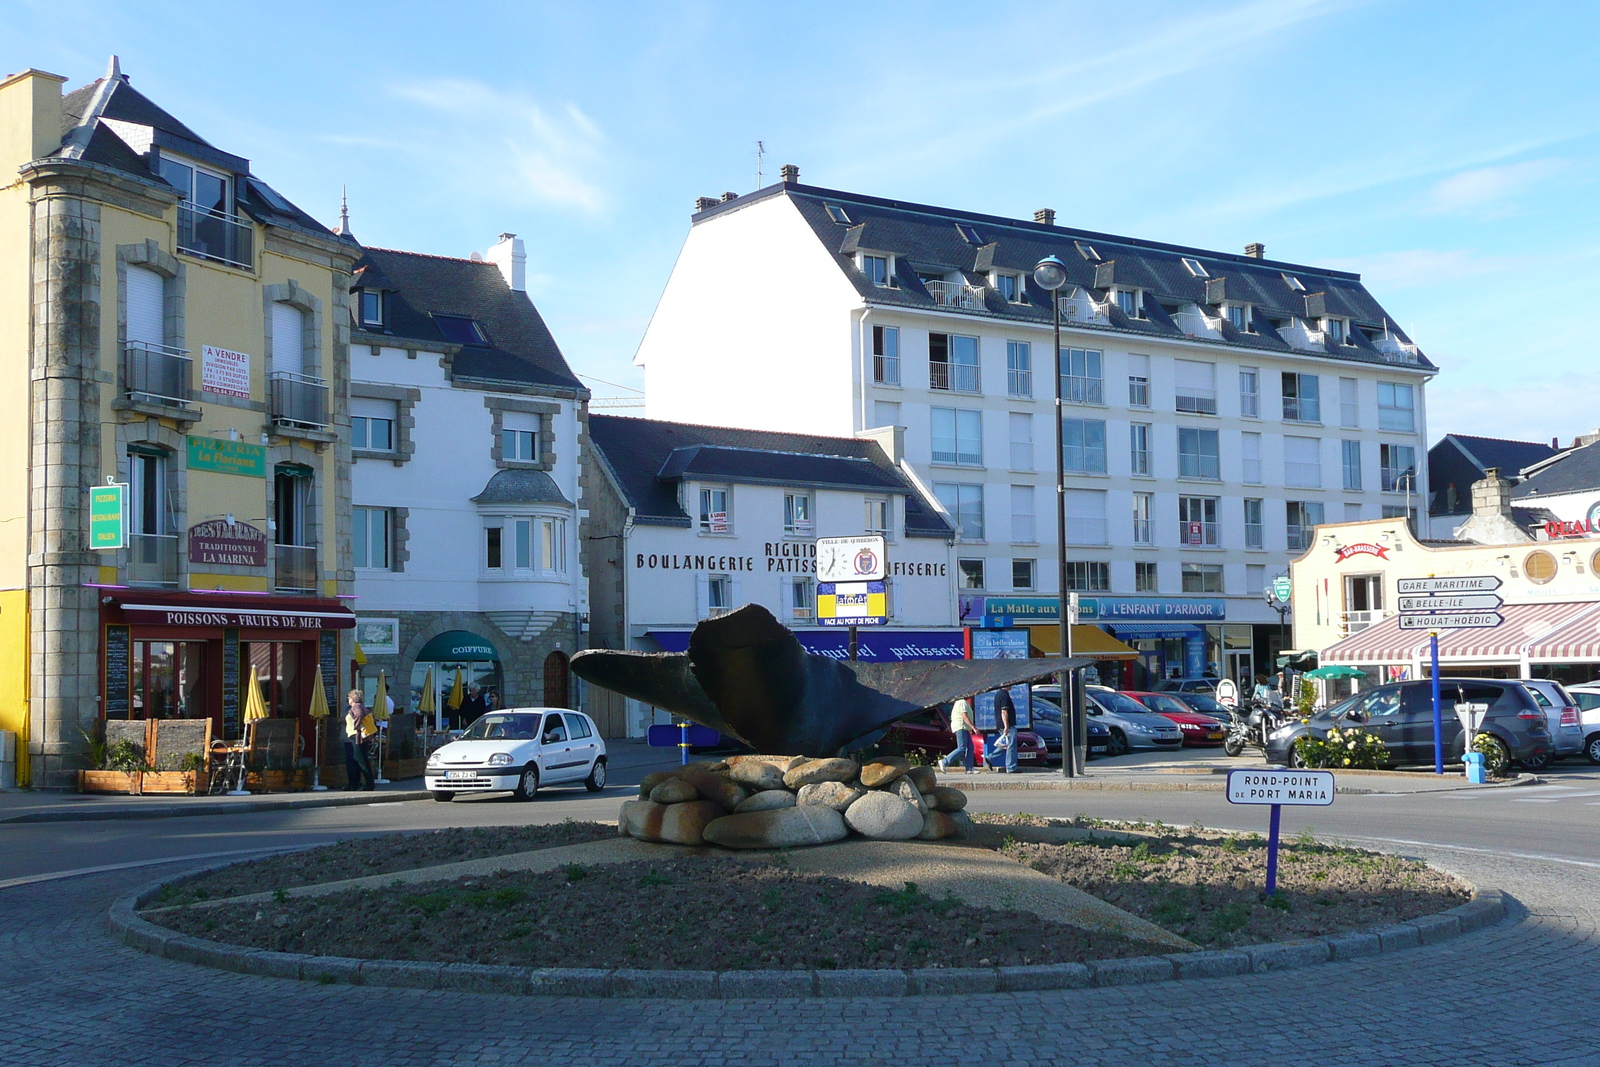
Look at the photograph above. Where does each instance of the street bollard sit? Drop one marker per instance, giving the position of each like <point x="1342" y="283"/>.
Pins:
<point x="1476" y="772"/>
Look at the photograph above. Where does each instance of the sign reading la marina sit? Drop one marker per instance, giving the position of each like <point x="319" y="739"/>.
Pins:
<point x="221" y="543"/>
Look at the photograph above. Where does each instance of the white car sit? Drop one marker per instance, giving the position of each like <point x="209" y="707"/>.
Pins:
<point x="518" y="750"/>
<point x="1588" y="698"/>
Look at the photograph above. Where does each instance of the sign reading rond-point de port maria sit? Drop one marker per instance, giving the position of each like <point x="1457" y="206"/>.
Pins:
<point x="108" y="527"/>
<point x="1298" y="788"/>
<point x="850" y="581"/>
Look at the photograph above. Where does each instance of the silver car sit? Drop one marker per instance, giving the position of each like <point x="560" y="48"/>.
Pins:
<point x="1132" y="725"/>
<point x="1588" y="698"/>
<point x="1561" y="715"/>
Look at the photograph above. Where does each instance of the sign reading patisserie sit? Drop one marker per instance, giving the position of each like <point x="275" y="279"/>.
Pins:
<point x="220" y="543"/>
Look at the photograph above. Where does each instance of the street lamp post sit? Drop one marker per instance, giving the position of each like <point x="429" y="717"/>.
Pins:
<point x="1050" y="274"/>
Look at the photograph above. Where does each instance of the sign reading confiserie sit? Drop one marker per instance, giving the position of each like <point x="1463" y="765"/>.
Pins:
<point x="225" y="373"/>
<point x="234" y="545"/>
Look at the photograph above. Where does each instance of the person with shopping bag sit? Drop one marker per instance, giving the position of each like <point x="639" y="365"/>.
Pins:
<point x="359" y="730"/>
<point x="1003" y="750"/>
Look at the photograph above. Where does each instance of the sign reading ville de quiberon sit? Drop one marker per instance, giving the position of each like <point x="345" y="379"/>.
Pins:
<point x="850" y="581"/>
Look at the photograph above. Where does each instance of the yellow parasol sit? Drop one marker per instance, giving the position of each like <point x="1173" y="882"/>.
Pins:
<point x="255" y="707"/>
<point x="457" y="696"/>
<point x="360" y="657"/>
<point x="319" y="698"/>
<point x="380" y="700"/>
<point x="429" y="703"/>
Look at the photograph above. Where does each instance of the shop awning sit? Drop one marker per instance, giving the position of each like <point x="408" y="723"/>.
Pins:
<point x="1087" y="640"/>
<point x="1155" y="631"/>
<point x="458" y="646"/>
<point x="178" y="614"/>
<point x="873" y="646"/>
<point x="1523" y="627"/>
<point x="1575" y="641"/>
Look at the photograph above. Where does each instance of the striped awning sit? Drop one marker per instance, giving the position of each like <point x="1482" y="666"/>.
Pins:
<point x="1575" y="641"/>
<point x="1524" y="627"/>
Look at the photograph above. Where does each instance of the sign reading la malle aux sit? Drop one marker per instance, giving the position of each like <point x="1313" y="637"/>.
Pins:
<point x="219" y="543"/>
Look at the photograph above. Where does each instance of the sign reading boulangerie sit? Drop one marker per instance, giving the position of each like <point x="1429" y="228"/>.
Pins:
<point x="224" y="372"/>
<point x="219" y="542"/>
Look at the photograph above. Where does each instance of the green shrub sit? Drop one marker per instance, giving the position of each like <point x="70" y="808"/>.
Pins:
<point x="1355" y="749"/>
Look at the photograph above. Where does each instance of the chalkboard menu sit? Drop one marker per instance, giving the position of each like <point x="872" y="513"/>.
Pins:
<point x="329" y="658"/>
<point x="117" y="679"/>
<point x="230" y="684"/>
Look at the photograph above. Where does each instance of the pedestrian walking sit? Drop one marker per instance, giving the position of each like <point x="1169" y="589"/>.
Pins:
<point x="1004" y="749"/>
<point x="961" y="726"/>
<point x="359" y="729"/>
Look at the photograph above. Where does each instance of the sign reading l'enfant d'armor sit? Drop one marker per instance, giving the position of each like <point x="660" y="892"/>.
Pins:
<point x="227" y="457"/>
<point x="219" y="542"/>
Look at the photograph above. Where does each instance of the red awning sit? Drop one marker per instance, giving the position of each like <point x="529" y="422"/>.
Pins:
<point x="1523" y="627"/>
<point x="1575" y="641"/>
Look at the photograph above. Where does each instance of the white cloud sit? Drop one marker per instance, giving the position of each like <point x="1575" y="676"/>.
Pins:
<point x="1487" y="190"/>
<point x="1418" y="267"/>
<point x="505" y="144"/>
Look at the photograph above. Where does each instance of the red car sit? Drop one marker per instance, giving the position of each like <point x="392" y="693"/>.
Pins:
<point x="928" y="732"/>
<point x="1197" y="729"/>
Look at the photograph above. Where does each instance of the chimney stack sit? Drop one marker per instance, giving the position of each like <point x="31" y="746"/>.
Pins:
<point x="704" y="203"/>
<point x="729" y="196"/>
<point x="789" y="172"/>
<point x="1256" y="250"/>
<point x="1491" y="521"/>
<point x="1045" y="216"/>
<point x="1492" y="495"/>
<point x="512" y="258"/>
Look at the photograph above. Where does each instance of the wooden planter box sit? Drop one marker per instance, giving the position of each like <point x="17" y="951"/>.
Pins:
<point x="277" y="781"/>
<point x="188" y="783"/>
<point x="110" y="782"/>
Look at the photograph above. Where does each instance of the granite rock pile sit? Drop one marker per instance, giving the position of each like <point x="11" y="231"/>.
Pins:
<point x="786" y="801"/>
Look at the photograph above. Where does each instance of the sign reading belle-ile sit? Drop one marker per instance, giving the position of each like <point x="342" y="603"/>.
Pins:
<point x="225" y="373"/>
<point x="227" y="457"/>
<point x="1464" y="602"/>
<point x="851" y="559"/>
<point x="107" y="526"/>
<point x="1300" y="788"/>
<point x="229" y="544"/>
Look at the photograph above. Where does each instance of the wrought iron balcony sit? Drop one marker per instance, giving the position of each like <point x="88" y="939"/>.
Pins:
<point x="215" y="235"/>
<point x="299" y="400"/>
<point x="157" y="374"/>
<point x="294" y="569"/>
<point x="955" y="295"/>
<point x="956" y="377"/>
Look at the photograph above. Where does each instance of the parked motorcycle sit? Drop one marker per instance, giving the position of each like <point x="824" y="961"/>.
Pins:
<point x="1251" y="723"/>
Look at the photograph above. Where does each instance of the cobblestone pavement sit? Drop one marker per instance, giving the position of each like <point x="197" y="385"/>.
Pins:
<point x="1520" y="990"/>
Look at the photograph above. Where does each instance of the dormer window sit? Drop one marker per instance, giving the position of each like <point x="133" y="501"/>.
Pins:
<point x="459" y="329"/>
<point x="1128" y="301"/>
<point x="878" y="269"/>
<point x="1009" y="286"/>
<point x="372" y="307"/>
<point x="1294" y="283"/>
<point x="1239" y="315"/>
<point x="1195" y="267"/>
<point x="207" y="226"/>
<point x="1087" y="251"/>
<point x="968" y="234"/>
<point x="1335" y="329"/>
<point x="201" y="188"/>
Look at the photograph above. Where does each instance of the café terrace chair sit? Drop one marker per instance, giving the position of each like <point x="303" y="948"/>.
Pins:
<point x="273" y="746"/>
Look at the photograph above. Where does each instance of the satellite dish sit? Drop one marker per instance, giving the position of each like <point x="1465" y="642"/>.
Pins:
<point x="476" y="257"/>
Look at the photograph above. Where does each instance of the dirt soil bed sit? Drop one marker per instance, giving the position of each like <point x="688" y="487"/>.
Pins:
<point x="359" y="857"/>
<point x="685" y="912"/>
<point x="1207" y="886"/>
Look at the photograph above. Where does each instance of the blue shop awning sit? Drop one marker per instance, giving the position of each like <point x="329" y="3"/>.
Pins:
<point x="874" y="646"/>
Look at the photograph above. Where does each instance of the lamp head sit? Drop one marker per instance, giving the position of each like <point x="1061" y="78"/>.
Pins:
<point x="1050" y="273"/>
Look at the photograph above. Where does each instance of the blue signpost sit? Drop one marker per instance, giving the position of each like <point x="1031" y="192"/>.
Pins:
<point x="1277" y="788"/>
<point x="1438" y="720"/>
<point x="1467" y="602"/>
<point x="684" y="736"/>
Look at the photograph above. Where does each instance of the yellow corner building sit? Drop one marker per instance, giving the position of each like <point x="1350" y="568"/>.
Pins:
<point x="169" y="323"/>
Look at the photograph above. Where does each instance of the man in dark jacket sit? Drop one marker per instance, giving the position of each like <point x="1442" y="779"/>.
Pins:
<point x="1005" y="742"/>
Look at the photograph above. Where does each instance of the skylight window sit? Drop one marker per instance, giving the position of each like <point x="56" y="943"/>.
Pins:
<point x="1087" y="252"/>
<point x="968" y="234"/>
<point x="836" y="213"/>
<point x="459" y="329"/>
<point x="1294" y="283"/>
<point x="1195" y="267"/>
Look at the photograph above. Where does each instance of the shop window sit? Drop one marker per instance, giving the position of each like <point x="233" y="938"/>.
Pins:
<point x="167" y="680"/>
<point x="278" y="671"/>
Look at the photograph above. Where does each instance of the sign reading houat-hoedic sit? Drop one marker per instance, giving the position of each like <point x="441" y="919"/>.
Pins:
<point x="227" y="457"/>
<point x="1277" y="788"/>
<point x="108" y="527"/>
<point x="1466" y="602"/>
<point x="231" y="544"/>
<point x="225" y="373"/>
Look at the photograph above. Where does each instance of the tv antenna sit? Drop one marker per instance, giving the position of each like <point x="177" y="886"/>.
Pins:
<point x="761" y="150"/>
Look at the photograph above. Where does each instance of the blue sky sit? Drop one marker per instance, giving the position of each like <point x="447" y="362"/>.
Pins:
<point x="1446" y="150"/>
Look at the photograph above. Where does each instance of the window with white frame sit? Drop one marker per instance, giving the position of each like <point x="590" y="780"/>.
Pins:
<point x="878" y="269"/>
<point x="519" y="436"/>
<point x="1336" y="329"/>
<point x="1023" y="575"/>
<point x="552" y="545"/>
<point x="715" y="514"/>
<point x="148" y="512"/>
<point x="1023" y="530"/>
<point x="1128" y="301"/>
<point x="886" y="413"/>
<point x="145" y="304"/>
<point x="1146" y="578"/>
<point x="1083" y="446"/>
<point x="1249" y="392"/>
<point x="797" y="518"/>
<point x="886" y="355"/>
<point x="1351" y="453"/>
<point x="1196" y="385"/>
<point x="1254" y="528"/>
<point x="1250" y="458"/>
<point x="1202" y="578"/>
<point x="802" y="599"/>
<point x="289" y="349"/>
<point x="1197" y="520"/>
<point x="1010" y="287"/>
<point x="880" y="516"/>
<point x="1143" y="514"/>
<point x="957" y="435"/>
<point x="1086" y="516"/>
<point x="953" y="363"/>
<point x="964" y="502"/>
<point x="1397" y="465"/>
<point x="494" y="544"/>
<point x="1139" y="447"/>
<point x="1302" y="397"/>
<point x="1199" y="454"/>
<point x="1195" y="267"/>
<point x="1021" y="423"/>
<point x="1082" y="376"/>
<point x="1397" y="407"/>
<point x="1088" y="576"/>
<point x="1301" y="517"/>
<point x="1302" y="462"/>
<point x="1019" y="368"/>
<point x="1138" y="381"/>
<point x="970" y="572"/>
<point x="1239" y="316"/>
<point x="718" y="595"/>
<point x="371" y="538"/>
<point x="372" y="424"/>
<point x="1349" y="404"/>
<point x="372" y="307"/>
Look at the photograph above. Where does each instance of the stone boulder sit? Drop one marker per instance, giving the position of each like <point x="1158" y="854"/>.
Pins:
<point x="812" y="824"/>
<point x="936" y="825"/>
<point x="947" y="799"/>
<point x="883" y="770"/>
<point x="822" y="770"/>
<point x="715" y="787"/>
<point x="675" y="824"/>
<point x="929" y="803"/>
<point x="883" y="816"/>
<point x="674" y="791"/>
<point x="923" y="778"/>
<point x="902" y="788"/>
<point x="653" y="779"/>
<point x="963" y="823"/>
<point x="757" y="775"/>
<point x="835" y="795"/>
<point x="766" y="800"/>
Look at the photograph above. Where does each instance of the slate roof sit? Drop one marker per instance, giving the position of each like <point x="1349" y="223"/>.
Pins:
<point x="515" y="486"/>
<point x="930" y="239"/>
<point x="1575" y="471"/>
<point x="650" y="458"/>
<point x="519" y="345"/>
<point x="1461" y="459"/>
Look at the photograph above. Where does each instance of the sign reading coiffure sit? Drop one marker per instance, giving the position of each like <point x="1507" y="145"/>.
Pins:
<point x="219" y="542"/>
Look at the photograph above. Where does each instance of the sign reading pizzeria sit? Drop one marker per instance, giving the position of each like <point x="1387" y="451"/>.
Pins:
<point x="221" y="543"/>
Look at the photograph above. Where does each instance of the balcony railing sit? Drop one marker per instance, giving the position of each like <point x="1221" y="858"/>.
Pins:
<point x="956" y="377"/>
<point x="294" y="569"/>
<point x="1019" y="382"/>
<point x="1080" y="390"/>
<point x="1300" y="537"/>
<point x="215" y="235"/>
<point x="1197" y="533"/>
<point x="1352" y="622"/>
<point x="300" y="400"/>
<point x="153" y="559"/>
<point x="1141" y="531"/>
<point x="886" y="370"/>
<point x="955" y="295"/>
<point x="157" y="374"/>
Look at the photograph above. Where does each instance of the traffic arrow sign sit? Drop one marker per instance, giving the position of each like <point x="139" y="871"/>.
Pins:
<point x="1468" y="602"/>
<point x="1466" y="620"/>
<point x="1475" y="583"/>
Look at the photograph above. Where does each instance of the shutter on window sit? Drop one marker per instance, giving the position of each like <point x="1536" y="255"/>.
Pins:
<point x="288" y="340"/>
<point x="702" y="597"/>
<point x="734" y="598"/>
<point x="145" y="303"/>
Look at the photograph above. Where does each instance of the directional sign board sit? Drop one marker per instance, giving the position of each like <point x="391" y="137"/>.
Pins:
<point x="1464" y="620"/>
<point x="1299" y="788"/>
<point x="1466" y="602"/>
<point x="1475" y="583"/>
<point x="851" y="559"/>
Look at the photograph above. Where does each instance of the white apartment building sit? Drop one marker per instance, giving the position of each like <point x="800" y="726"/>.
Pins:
<point x="467" y="430"/>
<point x="1218" y="406"/>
